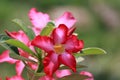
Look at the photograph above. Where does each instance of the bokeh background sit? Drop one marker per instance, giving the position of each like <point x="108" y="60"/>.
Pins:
<point x="98" y="24"/>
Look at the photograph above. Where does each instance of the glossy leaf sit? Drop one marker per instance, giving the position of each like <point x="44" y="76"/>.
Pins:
<point x="20" y="45"/>
<point x="13" y="50"/>
<point x="3" y="38"/>
<point x="25" y="28"/>
<point x="90" y="51"/>
<point x="48" y="29"/>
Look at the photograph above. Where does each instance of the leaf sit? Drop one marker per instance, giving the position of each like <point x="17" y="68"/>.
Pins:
<point x="47" y="30"/>
<point x="20" y="45"/>
<point x="27" y="30"/>
<point x="3" y="38"/>
<point x="74" y="76"/>
<point x="91" y="51"/>
<point x="13" y="50"/>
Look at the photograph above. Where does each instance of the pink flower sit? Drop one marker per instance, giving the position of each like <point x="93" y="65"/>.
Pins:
<point x="46" y="78"/>
<point x="4" y="57"/>
<point x="21" y="36"/>
<point x="59" y="47"/>
<point x="15" y="78"/>
<point x="62" y="73"/>
<point x="67" y="18"/>
<point x="66" y="72"/>
<point x="39" y="20"/>
<point x="87" y="74"/>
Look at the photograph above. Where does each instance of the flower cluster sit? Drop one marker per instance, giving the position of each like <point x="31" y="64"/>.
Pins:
<point x="45" y="49"/>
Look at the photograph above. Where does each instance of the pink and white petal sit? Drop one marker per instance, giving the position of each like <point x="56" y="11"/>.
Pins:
<point x="23" y="53"/>
<point x="59" y="34"/>
<point x="46" y="78"/>
<point x="20" y="35"/>
<point x="73" y="44"/>
<point x="51" y="64"/>
<point x="67" y="19"/>
<point x="62" y="73"/>
<point x="36" y="30"/>
<point x="15" y="78"/>
<point x="43" y="42"/>
<point x="38" y="19"/>
<point x="33" y="66"/>
<point x="80" y="45"/>
<point x="68" y="60"/>
<point x="4" y="57"/>
<point x="71" y="30"/>
<point x="87" y="74"/>
<point x="19" y="67"/>
<point x="0" y="78"/>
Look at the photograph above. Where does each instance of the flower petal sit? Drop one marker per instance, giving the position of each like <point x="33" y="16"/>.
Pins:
<point x="36" y="30"/>
<point x="43" y="42"/>
<point x="87" y="74"/>
<point x="51" y="64"/>
<point x="68" y="60"/>
<point x="46" y="78"/>
<point x="73" y="44"/>
<point x="60" y="34"/>
<point x="4" y="57"/>
<point x="38" y="19"/>
<point x="19" y="67"/>
<point x="20" y="35"/>
<point x="15" y="78"/>
<point x="67" y="19"/>
<point x="62" y="73"/>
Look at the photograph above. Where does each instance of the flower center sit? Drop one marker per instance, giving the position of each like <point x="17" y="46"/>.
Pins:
<point x="59" y="48"/>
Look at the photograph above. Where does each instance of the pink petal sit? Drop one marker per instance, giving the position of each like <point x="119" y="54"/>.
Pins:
<point x="68" y="60"/>
<point x="73" y="44"/>
<point x="67" y="19"/>
<point x="19" y="67"/>
<point x="60" y="34"/>
<point x="46" y="78"/>
<point x="71" y="30"/>
<point x="15" y="78"/>
<point x="62" y="73"/>
<point x="36" y="30"/>
<point x="87" y="74"/>
<point x="4" y="57"/>
<point x="32" y="65"/>
<point x="20" y="35"/>
<point x="43" y="42"/>
<point x="38" y="19"/>
<point x="51" y="64"/>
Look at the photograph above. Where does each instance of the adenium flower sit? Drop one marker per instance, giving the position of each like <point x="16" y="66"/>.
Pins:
<point x="21" y="36"/>
<point x="66" y="72"/>
<point x="4" y="57"/>
<point x="39" y="20"/>
<point x="59" y="47"/>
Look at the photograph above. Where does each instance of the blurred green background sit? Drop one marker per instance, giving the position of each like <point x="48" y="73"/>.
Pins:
<point x="98" y="24"/>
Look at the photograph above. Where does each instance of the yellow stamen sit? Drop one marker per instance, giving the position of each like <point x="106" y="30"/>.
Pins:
<point x="59" y="48"/>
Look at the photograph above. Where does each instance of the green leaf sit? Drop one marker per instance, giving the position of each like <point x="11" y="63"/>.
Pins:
<point x="13" y="50"/>
<point x="91" y="51"/>
<point x="20" y="45"/>
<point x="47" y="30"/>
<point x="74" y="76"/>
<point x="25" y="28"/>
<point x="3" y="38"/>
